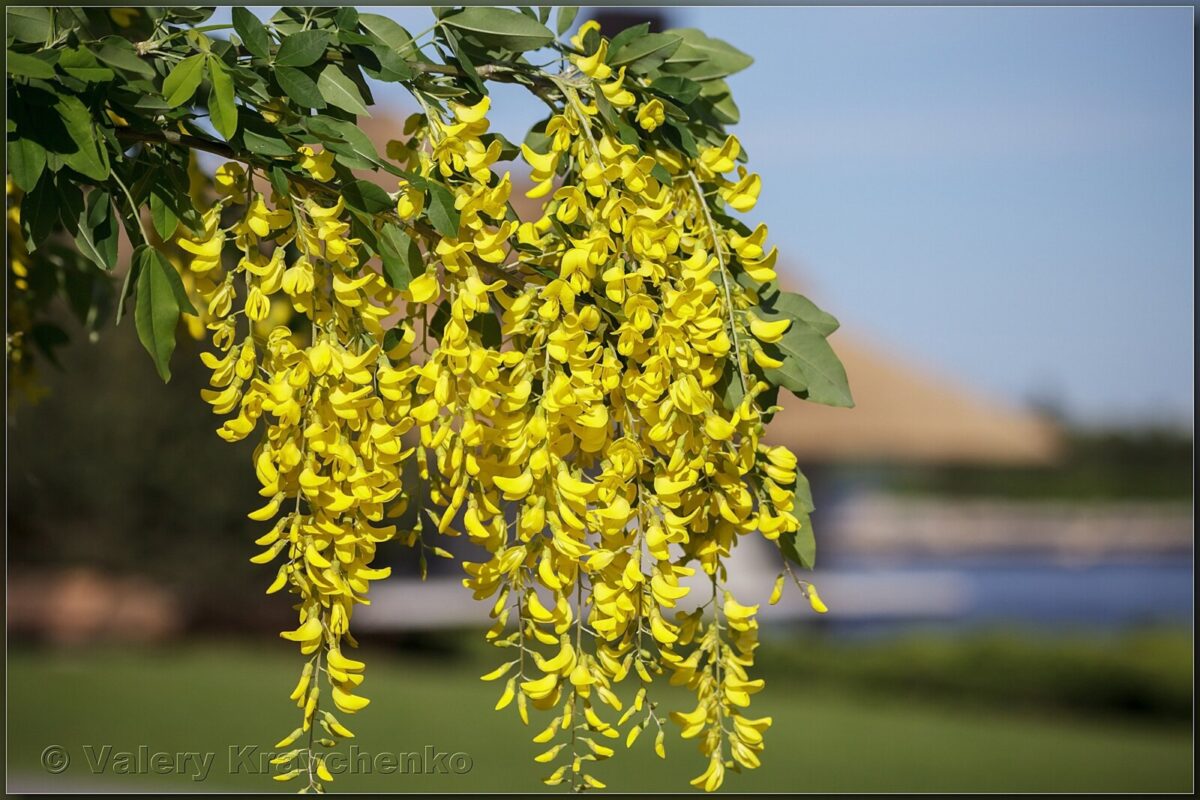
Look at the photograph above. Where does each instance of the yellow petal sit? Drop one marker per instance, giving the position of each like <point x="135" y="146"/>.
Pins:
<point x="768" y="331"/>
<point x="425" y="288"/>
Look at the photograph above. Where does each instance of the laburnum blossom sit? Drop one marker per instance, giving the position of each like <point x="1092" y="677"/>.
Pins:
<point x="578" y="394"/>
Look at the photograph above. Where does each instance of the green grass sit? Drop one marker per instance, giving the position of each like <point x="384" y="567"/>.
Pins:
<point x="826" y="738"/>
<point x="1146" y="673"/>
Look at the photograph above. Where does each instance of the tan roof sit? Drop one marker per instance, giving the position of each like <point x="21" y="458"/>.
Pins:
<point x="905" y="414"/>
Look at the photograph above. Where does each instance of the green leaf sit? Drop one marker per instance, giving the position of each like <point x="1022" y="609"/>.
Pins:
<point x="441" y="211"/>
<point x="302" y="48"/>
<point x="626" y="36"/>
<point x="726" y="110"/>
<point x="131" y="275"/>
<point x="681" y="137"/>
<point x="183" y="80"/>
<point x="729" y="387"/>
<point x="607" y="112"/>
<point x="222" y="111"/>
<point x="70" y="204"/>
<point x="118" y="53"/>
<point x="346" y="18"/>
<point x="437" y="323"/>
<point x="804" y="500"/>
<point x="800" y="547"/>
<point x="387" y="31"/>
<point x="465" y="63"/>
<point x="299" y="87"/>
<point x="565" y="18"/>
<point x="779" y="303"/>
<point x="159" y="289"/>
<point x="26" y="160"/>
<point x="392" y="65"/>
<point x="681" y="90"/>
<point x="260" y="138"/>
<point x="351" y="38"/>
<point x="279" y="180"/>
<point x="28" y="23"/>
<point x="362" y="226"/>
<point x="89" y="158"/>
<point x="347" y="140"/>
<point x="162" y="209"/>
<point x="80" y="63"/>
<point x="536" y="138"/>
<point x="400" y="255"/>
<point x="366" y="197"/>
<point x="810" y="368"/>
<point x="39" y="212"/>
<point x="646" y="52"/>
<point x="193" y="15"/>
<point x="338" y="90"/>
<point x="704" y="58"/>
<point x="501" y="27"/>
<point x="98" y="231"/>
<point x="252" y="32"/>
<point x="488" y="326"/>
<point x="27" y="66"/>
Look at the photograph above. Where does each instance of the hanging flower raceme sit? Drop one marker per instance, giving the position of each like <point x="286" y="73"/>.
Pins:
<point x="588" y="408"/>
<point x="591" y="448"/>
<point x="311" y="371"/>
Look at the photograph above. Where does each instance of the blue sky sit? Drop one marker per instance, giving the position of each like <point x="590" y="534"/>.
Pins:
<point x="1003" y="195"/>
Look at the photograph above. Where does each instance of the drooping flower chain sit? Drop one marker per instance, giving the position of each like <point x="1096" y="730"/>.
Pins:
<point x="586" y="447"/>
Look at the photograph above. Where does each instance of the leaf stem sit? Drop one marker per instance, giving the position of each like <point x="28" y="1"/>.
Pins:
<point x="134" y="210"/>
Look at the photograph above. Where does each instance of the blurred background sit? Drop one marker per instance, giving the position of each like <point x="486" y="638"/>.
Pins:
<point x="998" y="205"/>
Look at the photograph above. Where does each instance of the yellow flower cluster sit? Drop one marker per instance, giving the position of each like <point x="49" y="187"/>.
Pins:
<point x="587" y="447"/>
<point x="333" y="402"/>
<point x="616" y="458"/>
<point x="567" y="409"/>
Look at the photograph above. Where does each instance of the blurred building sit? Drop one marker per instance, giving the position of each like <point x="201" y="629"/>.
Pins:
<point x="905" y="414"/>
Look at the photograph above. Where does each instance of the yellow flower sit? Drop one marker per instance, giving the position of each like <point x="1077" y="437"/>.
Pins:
<point x="743" y="195"/>
<point x="718" y="160"/>
<point x="815" y="600"/>
<point x="593" y="66"/>
<point x="230" y="180"/>
<point x="651" y="115"/>
<point x="319" y="165"/>
<point x="410" y="201"/>
<point x="769" y="332"/>
<point x="424" y="289"/>
<point x="584" y="29"/>
<point x="555" y="387"/>
<point x="615" y="92"/>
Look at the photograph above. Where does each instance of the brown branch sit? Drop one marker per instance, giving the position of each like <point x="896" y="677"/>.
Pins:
<point x="541" y="85"/>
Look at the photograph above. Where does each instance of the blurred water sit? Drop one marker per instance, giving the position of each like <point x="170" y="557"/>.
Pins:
<point x="1036" y="591"/>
